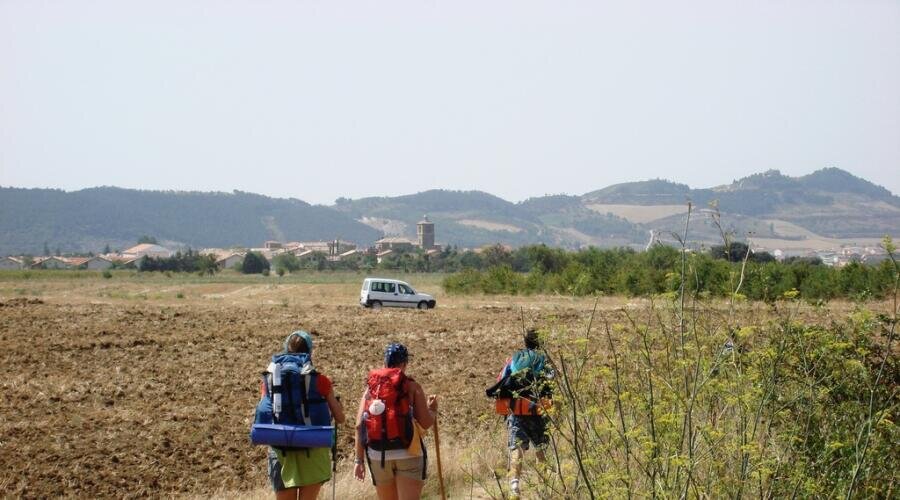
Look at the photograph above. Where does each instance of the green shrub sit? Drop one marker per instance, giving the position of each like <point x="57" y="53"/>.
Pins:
<point x="255" y="263"/>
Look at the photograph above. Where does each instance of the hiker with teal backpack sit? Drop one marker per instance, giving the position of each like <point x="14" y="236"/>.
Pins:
<point x="392" y="418"/>
<point x="523" y="394"/>
<point x="294" y="417"/>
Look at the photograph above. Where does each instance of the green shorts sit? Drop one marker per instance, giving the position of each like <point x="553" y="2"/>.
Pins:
<point x="297" y="468"/>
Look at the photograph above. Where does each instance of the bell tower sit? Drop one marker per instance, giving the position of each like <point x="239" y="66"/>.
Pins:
<point x="425" y="230"/>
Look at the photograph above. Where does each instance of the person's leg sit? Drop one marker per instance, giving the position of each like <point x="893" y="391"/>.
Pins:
<point x="410" y="477"/>
<point x="517" y="444"/>
<point x="384" y="479"/>
<point x="310" y="492"/>
<point x="409" y="488"/>
<point x="387" y="491"/>
<point x="538" y="436"/>
<point x="286" y="494"/>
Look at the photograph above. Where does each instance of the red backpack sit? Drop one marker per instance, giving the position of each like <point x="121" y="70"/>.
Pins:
<point x="392" y="429"/>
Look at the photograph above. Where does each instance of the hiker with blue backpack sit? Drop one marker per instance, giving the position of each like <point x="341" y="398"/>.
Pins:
<point x="522" y="394"/>
<point x="392" y="418"/>
<point x="294" y="417"/>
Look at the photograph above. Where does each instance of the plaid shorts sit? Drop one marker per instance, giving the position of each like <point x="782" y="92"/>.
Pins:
<point x="525" y="429"/>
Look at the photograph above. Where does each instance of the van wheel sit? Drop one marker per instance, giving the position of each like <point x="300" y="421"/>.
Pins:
<point x="423" y="305"/>
<point x="376" y="305"/>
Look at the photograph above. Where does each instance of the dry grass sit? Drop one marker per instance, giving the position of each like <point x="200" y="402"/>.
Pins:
<point x="639" y="214"/>
<point x="490" y="225"/>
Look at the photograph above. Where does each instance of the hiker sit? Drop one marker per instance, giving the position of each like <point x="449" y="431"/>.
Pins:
<point x="300" y="473"/>
<point x="523" y="391"/>
<point x="392" y="417"/>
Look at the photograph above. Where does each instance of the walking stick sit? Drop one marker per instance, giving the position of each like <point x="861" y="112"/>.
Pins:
<point x="437" y="447"/>
<point x="334" y="461"/>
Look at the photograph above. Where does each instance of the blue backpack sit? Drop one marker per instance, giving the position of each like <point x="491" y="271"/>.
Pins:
<point x="304" y="420"/>
<point x="527" y="378"/>
<point x="527" y="359"/>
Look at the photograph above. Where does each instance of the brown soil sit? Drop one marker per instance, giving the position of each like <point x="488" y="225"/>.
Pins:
<point x="133" y="397"/>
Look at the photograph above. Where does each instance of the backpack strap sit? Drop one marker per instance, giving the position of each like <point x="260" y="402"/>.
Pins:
<point x="383" y="435"/>
<point x="287" y="393"/>
<point x="304" y="401"/>
<point x="424" y="458"/>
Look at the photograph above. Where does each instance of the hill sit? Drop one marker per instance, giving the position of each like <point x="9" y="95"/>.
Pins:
<point x="821" y="210"/>
<point x="89" y="219"/>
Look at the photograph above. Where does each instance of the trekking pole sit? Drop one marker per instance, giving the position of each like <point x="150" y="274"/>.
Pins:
<point x="334" y="461"/>
<point x="437" y="447"/>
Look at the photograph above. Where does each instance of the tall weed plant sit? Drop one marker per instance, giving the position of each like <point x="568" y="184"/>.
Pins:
<point x="695" y="397"/>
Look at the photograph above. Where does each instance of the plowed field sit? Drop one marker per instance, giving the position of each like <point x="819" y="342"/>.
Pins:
<point x="131" y="388"/>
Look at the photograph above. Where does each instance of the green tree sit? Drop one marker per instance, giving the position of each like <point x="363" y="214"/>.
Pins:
<point x="254" y="263"/>
<point x="147" y="239"/>
<point x="286" y="262"/>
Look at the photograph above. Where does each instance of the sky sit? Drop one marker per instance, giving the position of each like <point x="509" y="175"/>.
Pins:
<point x="323" y="99"/>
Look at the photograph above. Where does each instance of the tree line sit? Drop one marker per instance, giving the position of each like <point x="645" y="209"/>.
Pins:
<point x="540" y="269"/>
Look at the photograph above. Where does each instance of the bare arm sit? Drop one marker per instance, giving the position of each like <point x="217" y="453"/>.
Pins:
<point x="360" y="452"/>
<point x="360" y="470"/>
<point x="337" y="411"/>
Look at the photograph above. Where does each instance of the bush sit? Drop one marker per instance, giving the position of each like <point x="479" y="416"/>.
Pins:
<point x="788" y="404"/>
<point x="657" y="271"/>
<point x="187" y="262"/>
<point x="254" y="263"/>
<point x="286" y="262"/>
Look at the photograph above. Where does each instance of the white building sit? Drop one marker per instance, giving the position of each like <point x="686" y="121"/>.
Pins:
<point x="229" y="261"/>
<point x="98" y="263"/>
<point x="147" y="250"/>
<point x="51" y="263"/>
<point x="11" y="263"/>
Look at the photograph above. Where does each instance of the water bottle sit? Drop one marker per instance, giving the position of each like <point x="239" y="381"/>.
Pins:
<point x="276" y="390"/>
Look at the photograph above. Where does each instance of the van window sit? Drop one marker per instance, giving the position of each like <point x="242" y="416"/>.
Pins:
<point x="389" y="287"/>
<point x="405" y="289"/>
<point x="377" y="286"/>
<point x="366" y="285"/>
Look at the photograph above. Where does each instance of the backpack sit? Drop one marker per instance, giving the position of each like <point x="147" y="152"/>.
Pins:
<point x="292" y="414"/>
<point x="525" y="390"/>
<point x="392" y="428"/>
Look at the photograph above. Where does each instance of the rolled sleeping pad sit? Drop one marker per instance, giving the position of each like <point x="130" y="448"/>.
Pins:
<point x="292" y="436"/>
<point x="521" y="406"/>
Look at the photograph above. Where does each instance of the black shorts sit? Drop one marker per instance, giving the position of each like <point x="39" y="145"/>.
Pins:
<point x="525" y="430"/>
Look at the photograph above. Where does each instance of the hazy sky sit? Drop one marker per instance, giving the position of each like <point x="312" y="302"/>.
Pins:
<point x="317" y="100"/>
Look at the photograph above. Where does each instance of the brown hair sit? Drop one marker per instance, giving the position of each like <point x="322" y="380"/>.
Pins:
<point x="297" y="344"/>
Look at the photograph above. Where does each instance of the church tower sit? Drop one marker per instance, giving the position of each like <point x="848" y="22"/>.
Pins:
<point x="425" y="230"/>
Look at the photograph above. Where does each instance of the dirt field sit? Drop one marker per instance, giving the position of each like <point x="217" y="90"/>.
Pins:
<point x="134" y="386"/>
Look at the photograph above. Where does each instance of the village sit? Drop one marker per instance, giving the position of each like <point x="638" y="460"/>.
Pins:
<point x="335" y="250"/>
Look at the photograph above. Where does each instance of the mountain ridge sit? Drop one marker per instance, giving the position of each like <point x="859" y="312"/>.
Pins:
<point x="827" y="204"/>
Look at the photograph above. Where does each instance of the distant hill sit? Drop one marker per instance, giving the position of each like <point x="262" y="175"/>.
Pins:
<point x="829" y="204"/>
<point x="475" y="218"/>
<point x="89" y="219"/>
<point x="824" y="209"/>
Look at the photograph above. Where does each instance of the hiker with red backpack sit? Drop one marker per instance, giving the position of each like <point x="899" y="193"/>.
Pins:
<point x="294" y="418"/>
<point x="523" y="394"/>
<point x="393" y="414"/>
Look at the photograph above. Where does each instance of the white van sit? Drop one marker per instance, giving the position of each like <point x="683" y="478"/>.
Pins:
<point x="380" y="292"/>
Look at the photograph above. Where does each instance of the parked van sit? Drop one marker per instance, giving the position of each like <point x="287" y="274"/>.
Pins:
<point x="380" y="292"/>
